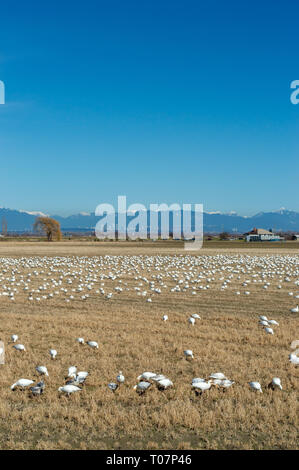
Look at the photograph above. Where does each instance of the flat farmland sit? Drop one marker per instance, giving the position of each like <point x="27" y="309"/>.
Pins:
<point x="117" y="294"/>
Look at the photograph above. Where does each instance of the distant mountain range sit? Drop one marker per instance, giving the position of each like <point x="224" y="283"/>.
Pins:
<point x="214" y="222"/>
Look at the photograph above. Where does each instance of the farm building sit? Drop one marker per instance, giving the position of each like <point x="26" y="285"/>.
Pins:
<point x="260" y="234"/>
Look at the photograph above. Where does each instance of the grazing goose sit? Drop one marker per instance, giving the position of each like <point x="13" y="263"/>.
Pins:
<point x="273" y="322"/>
<point x="68" y="389"/>
<point x="256" y="386"/>
<point x="53" y="353"/>
<point x="294" y="359"/>
<point x="263" y="318"/>
<point x="217" y="375"/>
<point x="197" y="379"/>
<point x="263" y="323"/>
<point x="42" y="370"/>
<point x="80" y="340"/>
<point x="276" y="383"/>
<point x="201" y="387"/>
<point x="189" y="354"/>
<point x="72" y="370"/>
<point x="19" y="347"/>
<point x="93" y="344"/>
<point x="82" y="375"/>
<point x="196" y="316"/>
<point x="78" y="379"/>
<point x="164" y="383"/>
<point x="165" y="317"/>
<point x="269" y="331"/>
<point x="191" y="320"/>
<point x="226" y="383"/>
<point x="141" y="387"/>
<point x="146" y="376"/>
<point x="22" y="383"/>
<point x="14" y="338"/>
<point x="120" y="378"/>
<point x="37" y="389"/>
<point x="113" y="386"/>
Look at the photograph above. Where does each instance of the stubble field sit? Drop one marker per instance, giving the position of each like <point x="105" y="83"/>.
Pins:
<point x="133" y="338"/>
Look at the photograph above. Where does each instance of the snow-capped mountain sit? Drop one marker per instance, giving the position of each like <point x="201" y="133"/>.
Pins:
<point x="280" y="220"/>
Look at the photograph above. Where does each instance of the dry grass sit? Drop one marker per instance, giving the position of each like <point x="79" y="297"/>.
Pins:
<point x="133" y="338"/>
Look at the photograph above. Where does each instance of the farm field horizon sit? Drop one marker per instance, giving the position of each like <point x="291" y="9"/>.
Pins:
<point x="133" y="338"/>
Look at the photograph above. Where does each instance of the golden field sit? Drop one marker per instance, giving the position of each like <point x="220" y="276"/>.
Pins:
<point x="133" y="338"/>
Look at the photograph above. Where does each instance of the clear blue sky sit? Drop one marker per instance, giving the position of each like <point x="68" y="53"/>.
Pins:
<point x="162" y="101"/>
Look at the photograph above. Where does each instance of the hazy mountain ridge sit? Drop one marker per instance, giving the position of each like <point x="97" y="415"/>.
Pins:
<point x="281" y="220"/>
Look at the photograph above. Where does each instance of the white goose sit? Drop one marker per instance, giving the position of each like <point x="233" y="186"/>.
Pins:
<point x="72" y="371"/>
<point x="191" y="320"/>
<point x="165" y="317"/>
<point x="68" y="389"/>
<point x="146" y="376"/>
<point x="201" y="387"/>
<point x="269" y="331"/>
<point x="294" y="359"/>
<point x="276" y="383"/>
<point x="141" y="387"/>
<point x="218" y="375"/>
<point x="93" y="344"/>
<point x="120" y="378"/>
<point x="42" y="370"/>
<point x="22" y="383"/>
<point x="19" y="347"/>
<point x="188" y="354"/>
<point x="256" y="386"/>
<point x="295" y="309"/>
<point x="14" y="338"/>
<point x="53" y="353"/>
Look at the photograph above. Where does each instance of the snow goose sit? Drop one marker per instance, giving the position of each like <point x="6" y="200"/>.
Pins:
<point x="294" y="359"/>
<point x="276" y="383"/>
<point x="196" y="316"/>
<point x="201" y="387"/>
<point x="19" y="347"/>
<point x="53" y="353"/>
<point x="188" y="354"/>
<point x="22" y="383"/>
<point x="141" y="387"/>
<point x="269" y="331"/>
<point x="256" y="386"/>
<point x="217" y="375"/>
<point x="164" y="383"/>
<point x="191" y="320"/>
<point x="80" y="340"/>
<point x="165" y="317"/>
<point x="113" y="386"/>
<point x="68" y="389"/>
<point x="93" y="344"/>
<point x="197" y="379"/>
<point x="38" y="389"/>
<point x="295" y="310"/>
<point x="14" y="338"/>
<point x="42" y="370"/>
<point x="273" y="322"/>
<point x="120" y="378"/>
<point x="146" y="376"/>
<point x="226" y="383"/>
<point x="72" y="371"/>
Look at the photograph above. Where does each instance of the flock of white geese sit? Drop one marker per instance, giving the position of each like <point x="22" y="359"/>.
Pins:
<point x="77" y="279"/>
